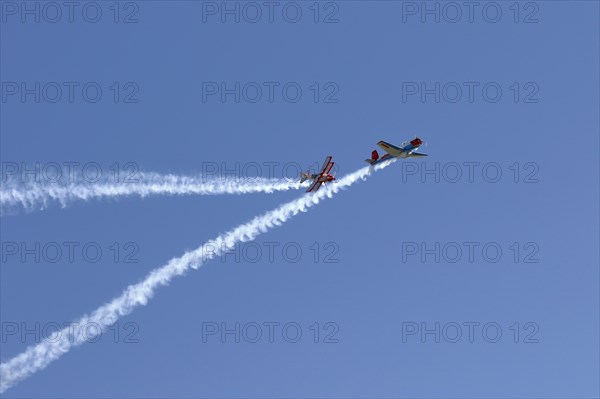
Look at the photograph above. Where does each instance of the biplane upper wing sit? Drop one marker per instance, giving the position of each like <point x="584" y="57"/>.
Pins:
<point x="315" y="186"/>
<point x="327" y="168"/>
<point x="325" y="163"/>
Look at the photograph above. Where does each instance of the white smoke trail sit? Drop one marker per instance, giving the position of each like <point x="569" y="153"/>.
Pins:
<point x="39" y="356"/>
<point x="32" y="196"/>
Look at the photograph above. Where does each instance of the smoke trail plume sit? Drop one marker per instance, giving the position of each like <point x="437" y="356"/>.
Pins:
<point x="39" y="356"/>
<point x="39" y="196"/>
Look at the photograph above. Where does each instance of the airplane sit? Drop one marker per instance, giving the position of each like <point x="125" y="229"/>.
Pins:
<point x="319" y="178"/>
<point x="406" y="150"/>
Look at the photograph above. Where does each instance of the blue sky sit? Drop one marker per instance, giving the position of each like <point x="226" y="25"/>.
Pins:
<point x="376" y="291"/>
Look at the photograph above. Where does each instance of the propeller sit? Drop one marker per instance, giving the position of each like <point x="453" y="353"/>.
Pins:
<point x="422" y="142"/>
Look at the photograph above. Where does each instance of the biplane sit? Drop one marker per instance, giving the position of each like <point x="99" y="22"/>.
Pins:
<point x="319" y="178"/>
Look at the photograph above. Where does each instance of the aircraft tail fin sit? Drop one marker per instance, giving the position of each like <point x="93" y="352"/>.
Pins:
<point x="304" y="176"/>
<point x="374" y="157"/>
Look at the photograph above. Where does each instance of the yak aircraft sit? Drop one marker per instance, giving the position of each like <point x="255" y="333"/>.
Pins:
<point x="406" y="150"/>
<point x="319" y="178"/>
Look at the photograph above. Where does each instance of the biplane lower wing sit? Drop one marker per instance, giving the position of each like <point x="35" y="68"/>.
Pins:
<point x="315" y="186"/>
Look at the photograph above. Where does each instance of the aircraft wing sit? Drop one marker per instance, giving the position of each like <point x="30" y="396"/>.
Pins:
<point x="326" y="163"/>
<point x="417" y="155"/>
<point x="389" y="148"/>
<point x="315" y="186"/>
<point x="327" y="168"/>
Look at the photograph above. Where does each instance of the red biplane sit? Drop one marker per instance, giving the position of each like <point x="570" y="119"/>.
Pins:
<point x="319" y="178"/>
